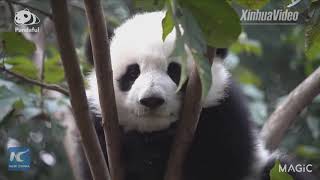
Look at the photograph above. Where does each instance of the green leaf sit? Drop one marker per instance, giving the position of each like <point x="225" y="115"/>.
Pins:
<point x="6" y="108"/>
<point x="7" y="102"/>
<point x="179" y="52"/>
<point x="246" y="76"/>
<point x="167" y="24"/>
<point x="308" y="152"/>
<point x="18" y="104"/>
<point x="192" y="36"/>
<point x="245" y="45"/>
<point x="204" y="70"/>
<point x="53" y="71"/>
<point x="192" y="33"/>
<point x="312" y="34"/>
<point x="23" y="66"/>
<point x="276" y="174"/>
<point x="30" y="112"/>
<point x="218" y="20"/>
<point x="16" y="44"/>
<point x="252" y="4"/>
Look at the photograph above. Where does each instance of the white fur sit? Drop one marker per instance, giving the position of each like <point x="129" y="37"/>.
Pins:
<point x="139" y="40"/>
<point x="261" y="157"/>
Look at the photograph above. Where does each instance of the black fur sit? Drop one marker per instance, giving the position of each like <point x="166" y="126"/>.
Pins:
<point x="223" y="147"/>
<point x="174" y="71"/>
<point x="222" y="52"/>
<point x="127" y="79"/>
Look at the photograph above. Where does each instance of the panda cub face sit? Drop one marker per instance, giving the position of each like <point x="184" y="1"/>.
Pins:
<point x="145" y="76"/>
<point x="146" y="94"/>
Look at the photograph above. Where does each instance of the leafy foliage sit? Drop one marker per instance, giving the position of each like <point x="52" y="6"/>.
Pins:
<point x="16" y="44"/>
<point x="53" y="72"/>
<point x="23" y="122"/>
<point x="208" y="18"/>
<point x="217" y="19"/>
<point x="246" y="45"/>
<point x="246" y="76"/>
<point x="22" y="65"/>
<point x="179" y="52"/>
<point x="204" y="71"/>
<point x="310" y="15"/>
<point x="308" y="152"/>
<point x="252" y="4"/>
<point x="192" y="37"/>
<point x="313" y="35"/>
<point x="167" y="24"/>
<point x="7" y="101"/>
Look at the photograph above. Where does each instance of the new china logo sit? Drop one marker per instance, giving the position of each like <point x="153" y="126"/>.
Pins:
<point x="25" y="18"/>
<point x="19" y="159"/>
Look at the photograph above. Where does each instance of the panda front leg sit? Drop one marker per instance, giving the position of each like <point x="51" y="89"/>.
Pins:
<point x="223" y="147"/>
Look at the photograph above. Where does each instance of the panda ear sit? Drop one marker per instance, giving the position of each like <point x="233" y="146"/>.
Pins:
<point x="110" y="32"/>
<point x="222" y="53"/>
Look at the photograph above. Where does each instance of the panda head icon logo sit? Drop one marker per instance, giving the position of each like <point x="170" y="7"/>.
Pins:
<point x="25" y="17"/>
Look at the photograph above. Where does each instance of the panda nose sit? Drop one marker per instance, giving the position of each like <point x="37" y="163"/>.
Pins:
<point x="152" y="102"/>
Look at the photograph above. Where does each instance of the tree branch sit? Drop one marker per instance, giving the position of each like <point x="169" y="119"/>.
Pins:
<point x="53" y="87"/>
<point x="280" y="120"/>
<point x="102" y="63"/>
<point x="30" y="7"/>
<point x="10" y="8"/>
<point x="39" y="39"/>
<point x="190" y="115"/>
<point x="79" y="102"/>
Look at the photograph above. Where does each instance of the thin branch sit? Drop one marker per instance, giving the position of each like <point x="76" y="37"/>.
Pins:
<point x="39" y="39"/>
<point x="190" y="115"/>
<point x="53" y="87"/>
<point x="79" y="102"/>
<point x="11" y="8"/>
<point x="31" y="7"/>
<point x="102" y="63"/>
<point x="281" y="119"/>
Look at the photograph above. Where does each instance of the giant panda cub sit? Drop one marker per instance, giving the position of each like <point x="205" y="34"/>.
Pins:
<point x="225" y="146"/>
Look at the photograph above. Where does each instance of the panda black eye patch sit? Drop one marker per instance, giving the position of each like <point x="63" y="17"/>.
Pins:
<point x="128" y="78"/>
<point x="174" y="71"/>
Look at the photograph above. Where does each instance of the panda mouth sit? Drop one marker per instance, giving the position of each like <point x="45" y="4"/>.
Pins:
<point x="153" y="114"/>
<point x="149" y="113"/>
